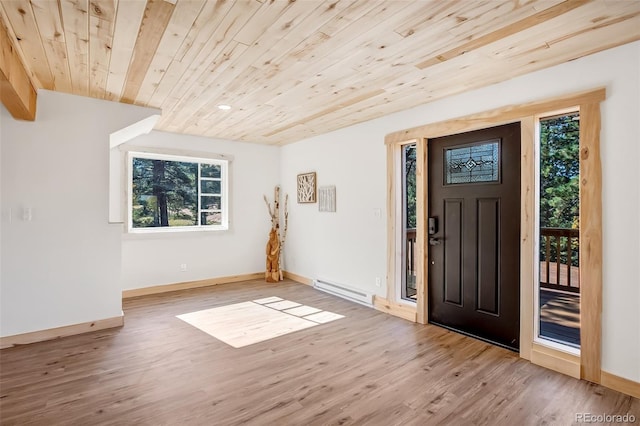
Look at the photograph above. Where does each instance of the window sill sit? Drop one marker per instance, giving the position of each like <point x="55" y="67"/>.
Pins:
<point x="408" y="302"/>
<point x="172" y="233"/>
<point x="541" y="341"/>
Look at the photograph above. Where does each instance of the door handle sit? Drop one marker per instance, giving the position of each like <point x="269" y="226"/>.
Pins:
<point x="434" y="241"/>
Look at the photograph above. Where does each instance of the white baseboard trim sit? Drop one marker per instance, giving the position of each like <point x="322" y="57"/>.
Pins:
<point x="58" y="332"/>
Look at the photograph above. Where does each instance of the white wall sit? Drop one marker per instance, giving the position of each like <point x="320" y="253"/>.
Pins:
<point x="349" y="246"/>
<point x="149" y="260"/>
<point x="63" y="266"/>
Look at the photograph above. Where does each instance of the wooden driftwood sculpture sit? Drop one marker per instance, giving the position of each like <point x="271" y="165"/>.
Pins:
<point x="272" y="275"/>
<point x="275" y="244"/>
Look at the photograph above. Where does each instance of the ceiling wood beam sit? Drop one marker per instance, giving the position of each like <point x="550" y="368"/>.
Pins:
<point x="16" y="91"/>
<point x="21" y="23"/>
<point x="509" y="30"/>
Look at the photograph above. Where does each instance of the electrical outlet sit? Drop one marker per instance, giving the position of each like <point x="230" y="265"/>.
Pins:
<point x="378" y="281"/>
<point x="183" y="267"/>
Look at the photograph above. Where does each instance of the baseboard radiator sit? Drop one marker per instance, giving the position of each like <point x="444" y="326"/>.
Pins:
<point x="352" y="294"/>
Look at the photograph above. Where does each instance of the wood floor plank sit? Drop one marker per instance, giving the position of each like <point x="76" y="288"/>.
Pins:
<point x="367" y="368"/>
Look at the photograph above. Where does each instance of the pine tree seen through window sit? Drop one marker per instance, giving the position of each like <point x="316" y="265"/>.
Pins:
<point x="177" y="192"/>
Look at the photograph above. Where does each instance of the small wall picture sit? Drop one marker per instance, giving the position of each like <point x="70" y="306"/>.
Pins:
<point x="327" y="199"/>
<point x="307" y="187"/>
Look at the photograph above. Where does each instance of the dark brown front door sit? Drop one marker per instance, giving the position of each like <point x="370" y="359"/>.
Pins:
<point x="474" y="251"/>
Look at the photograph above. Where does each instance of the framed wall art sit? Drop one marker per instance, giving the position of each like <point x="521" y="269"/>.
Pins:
<point x="327" y="199"/>
<point x="307" y="187"/>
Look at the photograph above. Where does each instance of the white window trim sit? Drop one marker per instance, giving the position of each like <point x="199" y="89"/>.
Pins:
<point x="176" y="155"/>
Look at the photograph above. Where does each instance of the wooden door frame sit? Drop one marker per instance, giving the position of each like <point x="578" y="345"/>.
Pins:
<point x="588" y="364"/>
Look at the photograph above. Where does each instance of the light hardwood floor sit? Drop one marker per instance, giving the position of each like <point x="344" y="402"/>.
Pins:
<point x="368" y="368"/>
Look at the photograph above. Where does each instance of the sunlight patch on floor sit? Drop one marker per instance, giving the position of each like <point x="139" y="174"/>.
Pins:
<point x="246" y="323"/>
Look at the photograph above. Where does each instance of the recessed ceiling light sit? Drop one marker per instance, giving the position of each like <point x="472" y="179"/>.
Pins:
<point x="224" y="107"/>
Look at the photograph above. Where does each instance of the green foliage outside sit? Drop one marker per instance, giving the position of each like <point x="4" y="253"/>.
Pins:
<point x="559" y="172"/>
<point x="409" y="153"/>
<point x="559" y="180"/>
<point x="165" y="193"/>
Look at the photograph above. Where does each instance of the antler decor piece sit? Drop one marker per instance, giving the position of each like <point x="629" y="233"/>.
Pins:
<point x="275" y="245"/>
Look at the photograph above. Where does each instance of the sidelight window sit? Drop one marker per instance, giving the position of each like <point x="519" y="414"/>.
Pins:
<point x="559" y="229"/>
<point x="409" y="221"/>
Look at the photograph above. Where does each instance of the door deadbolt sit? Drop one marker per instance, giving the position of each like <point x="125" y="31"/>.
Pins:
<point x="432" y="226"/>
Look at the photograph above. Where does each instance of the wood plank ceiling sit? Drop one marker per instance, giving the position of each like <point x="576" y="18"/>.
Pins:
<point x="294" y="69"/>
